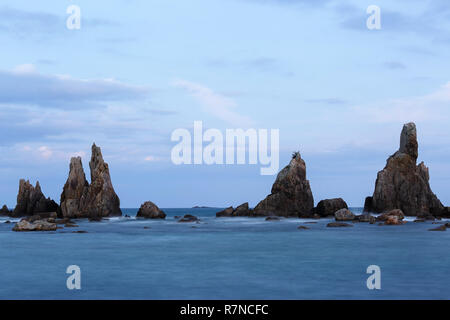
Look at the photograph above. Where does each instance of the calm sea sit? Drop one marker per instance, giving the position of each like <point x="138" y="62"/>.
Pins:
<point x="225" y="258"/>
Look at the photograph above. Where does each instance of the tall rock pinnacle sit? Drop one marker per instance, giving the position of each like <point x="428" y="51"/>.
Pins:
<point x="31" y="200"/>
<point x="79" y="199"/>
<point x="402" y="184"/>
<point x="291" y="193"/>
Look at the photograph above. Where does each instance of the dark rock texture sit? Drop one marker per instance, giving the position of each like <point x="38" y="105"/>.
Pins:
<point x="149" y="210"/>
<point x="402" y="184"/>
<point x="328" y="207"/>
<point x="5" y="211"/>
<point x="291" y="194"/>
<point x="189" y="218"/>
<point x="31" y="200"/>
<point x="80" y="199"/>
<point x="241" y="211"/>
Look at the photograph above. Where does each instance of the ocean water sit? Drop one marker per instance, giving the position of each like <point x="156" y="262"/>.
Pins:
<point x="225" y="258"/>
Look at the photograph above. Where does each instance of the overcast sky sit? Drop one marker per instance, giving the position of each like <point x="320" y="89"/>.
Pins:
<point x="137" y="70"/>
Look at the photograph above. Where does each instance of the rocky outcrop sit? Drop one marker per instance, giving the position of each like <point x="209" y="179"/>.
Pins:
<point x="393" y="217"/>
<point x="328" y="207"/>
<point x="344" y="215"/>
<point x="241" y="211"/>
<point x="366" y="217"/>
<point x="80" y="199"/>
<point x="38" y="225"/>
<point x="402" y="184"/>
<point x="291" y="194"/>
<point x="149" y="210"/>
<point x="31" y="200"/>
<point x="4" y="211"/>
<point x="189" y="218"/>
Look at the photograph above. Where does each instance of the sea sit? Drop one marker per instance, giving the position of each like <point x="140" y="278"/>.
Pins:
<point x="225" y="258"/>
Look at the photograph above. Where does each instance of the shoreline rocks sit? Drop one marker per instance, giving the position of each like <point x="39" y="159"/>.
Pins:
<point x="149" y="210"/>
<point x="80" y="199"/>
<point x="242" y="210"/>
<point x="291" y="194"/>
<point x="344" y="215"/>
<point x="38" y="225"/>
<point x="402" y="184"/>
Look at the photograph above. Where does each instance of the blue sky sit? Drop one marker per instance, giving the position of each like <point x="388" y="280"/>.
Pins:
<point x="137" y="70"/>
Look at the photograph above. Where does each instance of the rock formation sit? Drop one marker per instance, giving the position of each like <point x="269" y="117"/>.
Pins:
<point x="241" y="211"/>
<point x="404" y="185"/>
<point x="328" y="207"/>
<point x="5" y="211"/>
<point x="149" y="210"/>
<point x="291" y="194"/>
<point x="344" y="215"/>
<point x="80" y="199"/>
<point x="31" y="200"/>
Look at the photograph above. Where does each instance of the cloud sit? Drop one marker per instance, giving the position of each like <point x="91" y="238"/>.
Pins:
<point x="261" y="64"/>
<point x="25" y="85"/>
<point x="431" y="108"/>
<point x="214" y="103"/>
<point x="394" y="65"/>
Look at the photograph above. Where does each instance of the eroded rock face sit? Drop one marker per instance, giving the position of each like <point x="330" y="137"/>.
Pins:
<point x="402" y="184"/>
<point x="291" y="194"/>
<point x="80" y="199"/>
<point x="31" y="200"/>
<point x="149" y="210"/>
<point x="328" y="207"/>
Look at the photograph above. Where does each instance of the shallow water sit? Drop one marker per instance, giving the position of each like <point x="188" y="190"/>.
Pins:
<point x="225" y="258"/>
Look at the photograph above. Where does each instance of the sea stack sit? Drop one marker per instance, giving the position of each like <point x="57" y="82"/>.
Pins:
<point x="291" y="194"/>
<point x="404" y="185"/>
<point x="31" y="200"/>
<point x="80" y="199"/>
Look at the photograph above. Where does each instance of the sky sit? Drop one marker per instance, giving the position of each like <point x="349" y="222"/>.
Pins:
<point x="138" y="70"/>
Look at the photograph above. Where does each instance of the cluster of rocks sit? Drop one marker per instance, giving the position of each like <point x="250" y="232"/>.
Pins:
<point x="46" y="221"/>
<point x="31" y="201"/>
<point x="241" y="211"/>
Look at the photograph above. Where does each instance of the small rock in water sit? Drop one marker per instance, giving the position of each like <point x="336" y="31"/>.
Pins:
<point x="441" y="228"/>
<point x="189" y="218"/>
<point x="338" y="224"/>
<point x="79" y="231"/>
<point x="149" y="210"/>
<point x="302" y="228"/>
<point x="7" y="221"/>
<point x="38" y="225"/>
<point x="344" y="215"/>
<point x="272" y="219"/>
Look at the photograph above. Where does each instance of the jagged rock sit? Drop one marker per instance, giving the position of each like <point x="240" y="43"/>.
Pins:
<point x="243" y="211"/>
<point x="291" y="193"/>
<point x="75" y="191"/>
<point x="149" y="210"/>
<point x="338" y="225"/>
<point x="228" y="212"/>
<point x="38" y="225"/>
<point x="80" y="199"/>
<point x="402" y="184"/>
<point x="328" y="207"/>
<point x="5" y="211"/>
<point x="31" y="200"/>
<point x="344" y="215"/>
<point x="189" y="218"/>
